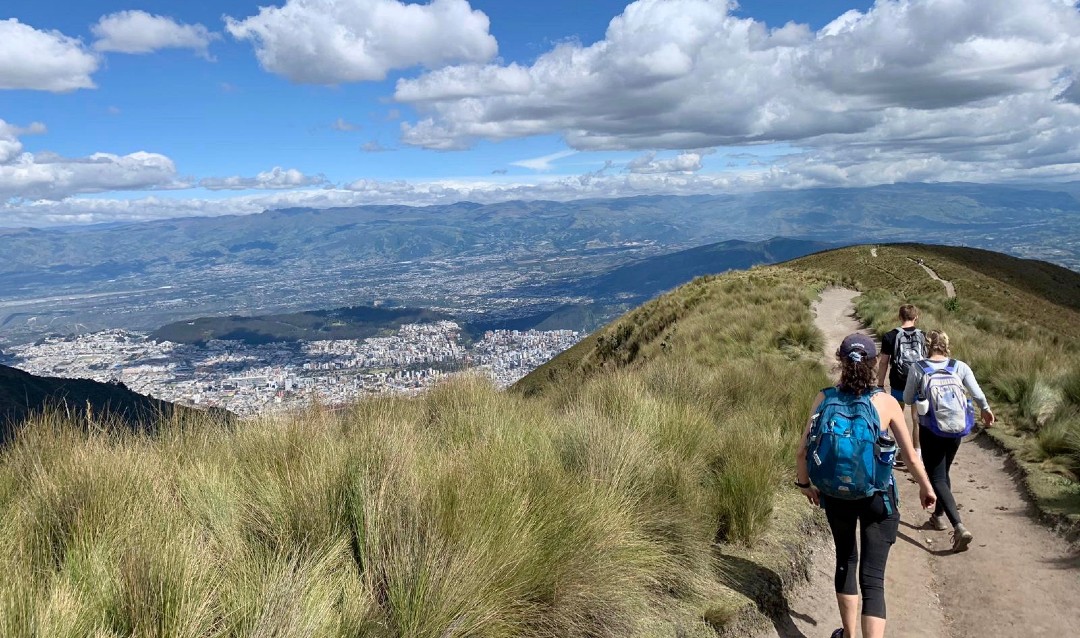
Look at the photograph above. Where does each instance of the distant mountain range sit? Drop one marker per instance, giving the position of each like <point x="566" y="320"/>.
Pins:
<point x="496" y="259"/>
<point x="408" y="233"/>
<point x="610" y="291"/>
<point x="23" y="394"/>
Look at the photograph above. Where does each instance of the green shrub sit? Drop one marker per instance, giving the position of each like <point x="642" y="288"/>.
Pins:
<point x="1070" y="384"/>
<point x="1058" y="443"/>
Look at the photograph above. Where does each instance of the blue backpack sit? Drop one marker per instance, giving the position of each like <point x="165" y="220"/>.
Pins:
<point x="847" y="454"/>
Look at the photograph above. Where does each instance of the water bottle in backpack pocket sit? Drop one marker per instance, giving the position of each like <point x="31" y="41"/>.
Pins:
<point x="949" y="410"/>
<point x="847" y="454"/>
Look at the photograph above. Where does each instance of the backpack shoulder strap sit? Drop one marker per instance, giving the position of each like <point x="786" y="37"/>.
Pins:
<point x="925" y="366"/>
<point x="950" y="367"/>
<point x="828" y="395"/>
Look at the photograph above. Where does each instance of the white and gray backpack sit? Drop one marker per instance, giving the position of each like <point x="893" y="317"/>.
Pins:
<point x="950" y="413"/>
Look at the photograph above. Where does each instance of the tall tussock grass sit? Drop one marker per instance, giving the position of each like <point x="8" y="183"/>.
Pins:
<point x="592" y="510"/>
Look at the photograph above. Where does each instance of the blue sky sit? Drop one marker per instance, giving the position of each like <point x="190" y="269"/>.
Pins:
<point x="139" y="110"/>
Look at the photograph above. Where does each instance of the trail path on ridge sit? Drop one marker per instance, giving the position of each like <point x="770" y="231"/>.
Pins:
<point x="1016" y="579"/>
<point x="950" y="289"/>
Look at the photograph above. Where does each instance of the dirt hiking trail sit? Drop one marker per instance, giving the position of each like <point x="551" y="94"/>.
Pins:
<point x="950" y="289"/>
<point x="1016" y="579"/>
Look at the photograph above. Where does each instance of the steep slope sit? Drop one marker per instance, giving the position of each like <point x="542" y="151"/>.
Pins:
<point x="1015" y="322"/>
<point x="651" y="501"/>
<point x="23" y="394"/>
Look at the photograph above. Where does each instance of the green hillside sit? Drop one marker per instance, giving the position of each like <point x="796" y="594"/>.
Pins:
<point x="23" y="395"/>
<point x="355" y="322"/>
<point x="1027" y="291"/>
<point x="643" y="499"/>
<point x="636" y="485"/>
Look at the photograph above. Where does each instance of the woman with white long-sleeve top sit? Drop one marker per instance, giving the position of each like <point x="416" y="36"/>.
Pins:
<point x="939" y="451"/>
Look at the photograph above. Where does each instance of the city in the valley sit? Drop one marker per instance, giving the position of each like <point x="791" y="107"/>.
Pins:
<point x="252" y="379"/>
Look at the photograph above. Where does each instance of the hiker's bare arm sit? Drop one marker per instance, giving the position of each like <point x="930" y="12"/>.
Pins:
<point x="802" y="474"/>
<point x="882" y="369"/>
<point x="892" y="414"/>
<point x="977" y="395"/>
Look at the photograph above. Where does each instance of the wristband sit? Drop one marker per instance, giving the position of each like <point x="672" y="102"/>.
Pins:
<point x="802" y="486"/>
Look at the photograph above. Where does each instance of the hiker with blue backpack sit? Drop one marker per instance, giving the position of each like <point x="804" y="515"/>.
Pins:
<point x="845" y="464"/>
<point x="943" y="390"/>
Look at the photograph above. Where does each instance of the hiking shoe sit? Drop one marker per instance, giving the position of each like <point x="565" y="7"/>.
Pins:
<point x="839" y="633"/>
<point x="961" y="538"/>
<point x="938" y="522"/>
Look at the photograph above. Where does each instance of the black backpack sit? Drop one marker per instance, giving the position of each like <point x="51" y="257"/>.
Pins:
<point x="909" y="349"/>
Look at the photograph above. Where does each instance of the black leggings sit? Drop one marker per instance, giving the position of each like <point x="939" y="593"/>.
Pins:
<point x="878" y="533"/>
<point x="938" y="453"/>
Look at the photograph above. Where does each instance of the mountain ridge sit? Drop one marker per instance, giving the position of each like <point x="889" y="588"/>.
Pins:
<point x="110" y="405"/>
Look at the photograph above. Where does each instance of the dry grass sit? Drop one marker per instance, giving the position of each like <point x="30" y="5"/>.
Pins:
<point x="591" y="510"/>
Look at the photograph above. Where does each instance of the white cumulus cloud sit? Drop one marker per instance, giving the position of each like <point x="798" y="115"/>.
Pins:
<point x="682" y="163"/>
<point x="51" y="177"/>
<point x="934" y="80"/>
<point x="335" y="41"/>
<point x="273" y="179"/>
<point x="28" y="176"/>
<point x="142" y="32"/>
<point x="43" y="60"/>
<point x="10" y="145"/>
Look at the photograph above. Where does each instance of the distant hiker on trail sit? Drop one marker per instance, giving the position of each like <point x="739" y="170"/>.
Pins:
<point x="845" y="464"/>
<point x="901" y="348"/>
<point x="944" y="389"/>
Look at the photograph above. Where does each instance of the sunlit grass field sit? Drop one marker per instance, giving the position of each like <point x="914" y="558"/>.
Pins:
<point x="604" y="505"/>
<point x="637" y="485"/>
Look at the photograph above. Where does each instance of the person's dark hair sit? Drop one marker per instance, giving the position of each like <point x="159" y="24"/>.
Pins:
<point x="908" y="312"/>
<point x="857" y="377"/>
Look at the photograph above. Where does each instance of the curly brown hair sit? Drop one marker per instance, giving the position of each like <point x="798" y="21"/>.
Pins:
<point x="857" y="377"/>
